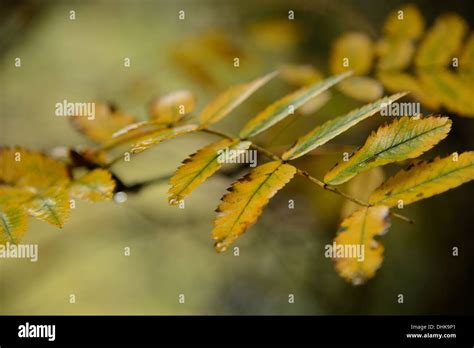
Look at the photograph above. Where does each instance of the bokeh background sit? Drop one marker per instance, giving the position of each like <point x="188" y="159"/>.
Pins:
<point x="171" y="249"/>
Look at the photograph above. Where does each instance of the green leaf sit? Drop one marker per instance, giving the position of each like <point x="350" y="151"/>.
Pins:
<point x="425" y="179"/>
<point x="283" y="107"/>
<point x="161" y="135"/>
<point x="402" y="139"/>
<point x="227" y="101"/>
<point x="332" y="128"/>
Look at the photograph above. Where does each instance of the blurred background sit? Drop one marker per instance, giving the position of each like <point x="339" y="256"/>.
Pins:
<point x="171" y="248"/>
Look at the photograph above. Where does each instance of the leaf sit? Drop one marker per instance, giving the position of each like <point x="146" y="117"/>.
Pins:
<point x="398" y="82"/>
<point x="21" y="167"/>
<point x="200" y="166"/>
<point x="161" y="135"/>
<point x="13" y="223"/>
<point x="284" y="106"/>
<point x="332" y="128"/>
<point x="361" y="88"/>
<point x="453" y="92"/>
<point x="225" y="102"/>
<point x="361" y="187"/>
<point x="425" y="179"/>
<point x="402" y="139"/>
<point x="351" y="51"/>
<point x="394" y="53"/>
<point x="358" y="232"/>
<point x="278" y="35"/>
<point x="51" y="206"/>
<point x="105" y="123"/>
<point x="97" y="185"/>
<point x="466" y="62"/>
<point x="442" y="42"/>
<point x="241" y="207"/>
<point x="300" y="75"/>
<point x="405" y="22"/>
<point x="172" y="107"/>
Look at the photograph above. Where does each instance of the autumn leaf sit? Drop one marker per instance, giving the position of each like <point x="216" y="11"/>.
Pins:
<point x="394" y="53"/>
<point x="171" y="108"/>
<point x="241" y="207"/>
<point x="97" y="185"/>
<point x="283" y="107"/>
<point x="402" y="139"/>
<point x="21" y="167"/>
<point x="105" y="123"/>
<point x="159" y="136"/>
<point x="13" y="223"/>
<point x="351" y="51"/>
<point x="361" y="88"/>
<point x="425" y="179"/>
<point x="200" y="166"/>
<point x="51" y="205"/>
<point x="332" y="128"/>
<point x="405" y="22"/>
<point x="442" y="41"/>
<point x="300" y="75"/>
<point x="227" y="101"/>
<point x="357" y="233"/>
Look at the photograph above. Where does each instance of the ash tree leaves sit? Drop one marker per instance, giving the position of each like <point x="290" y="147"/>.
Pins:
<point x="358" y="255"/>
<point x="284" y="107"/>
<point x="32" y="183"/>
<point x="425" y="179"/>
<point x="200" y="166"/>
<point x="247" y="197"/>
<point x="171" y="108"/>
<point x="332" y="128"/>
<point x="402" y="139"/>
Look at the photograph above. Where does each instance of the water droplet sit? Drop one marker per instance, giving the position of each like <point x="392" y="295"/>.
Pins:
<point x="120" y="197"/>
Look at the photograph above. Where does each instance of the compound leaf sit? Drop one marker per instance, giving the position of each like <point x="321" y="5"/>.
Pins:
<point x="227" y="101"/>
<point x="425" y="179"/>
<point x="242" y="206"/>
<point x="402" y="139"/>
<point x="283" y="107"/>
<point x="356" y="253"/>
<point x="332" y="128"/>
<point x="200" y="166"/>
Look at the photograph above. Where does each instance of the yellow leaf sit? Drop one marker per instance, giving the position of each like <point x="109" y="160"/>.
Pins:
<point x="315" y="104"/>
<point x="13" y="223"/>
<point x="394" y="53"/>
<point x="51" y="205"/>
<point x="451" y="90"/>
<point x="405" y="22"/>
<point x="398" y="82"/>
<point x="104" y="124"/>
<point x="361" y="187"/>
<point x="21" y="167"/>
<point x="425" y="179"/>
<point x="275" y="34"/>
<point x="332" y="128"/>
<point x="241" y="207"/>
<point x="402" y="139"/>
<point x="466" y="62"/>
<point x="200" y="166"/>
<point x="171" y="108"/>
<point x="300" y="75"/>
<point x="227" y="101"/>
<point x="361" y="88"/>
<point x="442" y="42"/>
<point x="356" y="252"/>
<point x="159" y="136"/>
<point x="351" y="51"/>
<point x="96" y="185"/>
<point x="283" y="107"/>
